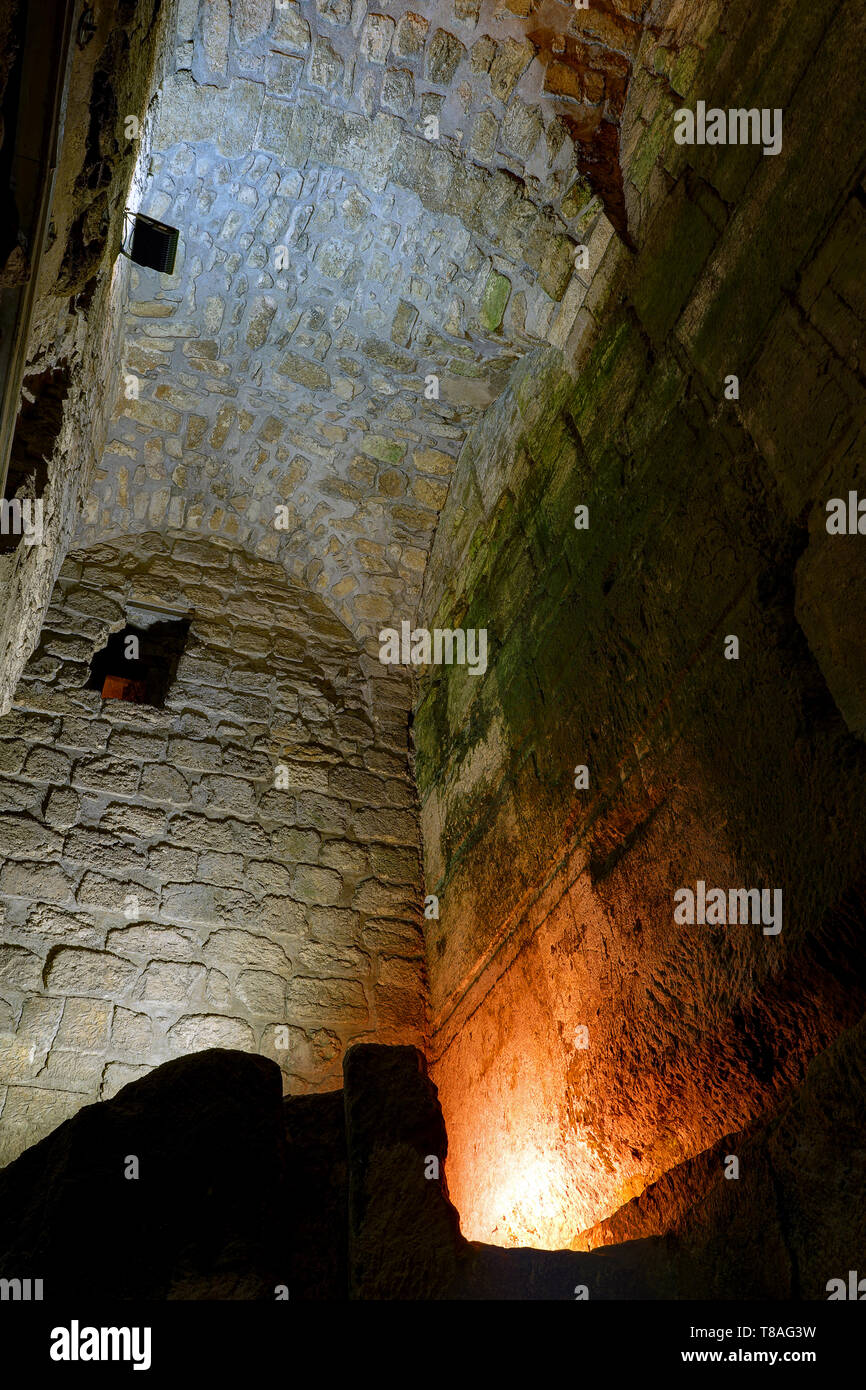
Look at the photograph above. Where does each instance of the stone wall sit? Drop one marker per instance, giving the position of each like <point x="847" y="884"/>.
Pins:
<point x="334" y="260"/>
<point x="582" y="1041"/>
<point x="76" y="320"/>
<point x="257" y="907"/>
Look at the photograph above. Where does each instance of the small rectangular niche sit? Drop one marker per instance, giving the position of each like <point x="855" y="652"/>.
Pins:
<point x="139" y="664"/>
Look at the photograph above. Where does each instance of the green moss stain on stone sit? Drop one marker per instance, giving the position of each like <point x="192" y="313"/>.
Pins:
<point x="494" y="300"/>
<point x="659" y="131"/>
<point x="604" y="641"/>
<point x="685" y="68"/>
<point x="385" y="450"/>
<point x="602" y="393"/>
<point x="685" y="234"/>
<point x="578" y="194"/>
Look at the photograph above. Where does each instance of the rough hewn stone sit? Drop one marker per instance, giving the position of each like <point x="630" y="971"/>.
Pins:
<point x="140" y="900"/>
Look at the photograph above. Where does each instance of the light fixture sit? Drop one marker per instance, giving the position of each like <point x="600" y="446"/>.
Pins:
<point x="153" y="244"/>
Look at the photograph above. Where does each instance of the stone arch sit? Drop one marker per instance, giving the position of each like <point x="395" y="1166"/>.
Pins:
<point x="304" y="390"/>
<point x="164" y="889"/>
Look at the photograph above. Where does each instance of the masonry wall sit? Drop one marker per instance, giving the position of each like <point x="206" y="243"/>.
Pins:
<point x="331" y="261"/>
<point x="76" y="320"/>
<point x="582" y="1041"/>
<point x="258" y="908"/>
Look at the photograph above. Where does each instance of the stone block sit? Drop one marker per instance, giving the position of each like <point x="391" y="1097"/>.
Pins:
<point x="323" y="962"/>
<point x="397" y="95"/>
<point x="485" y="133"/>
<point x="522" y="128"/>
<point x="221" y="870"/>
<point x="135" y="747"/>
<point x="211" y="52"/>
<point x="85" y="1025"/>
<point x="384" y="899"/>
<point x="164" y="785"/>
<point x="376" y="37"/>
<point x="511" y="61"/>
<point x="197" y="1032"/>
<point x="392" y="937"/>
<point x="218" y="991"/>
<point x="73" y="970"/>
<point x="112" y="894"/>
<point x="153" y="415"/>
<point x="276" y="878"/>
<point x="397" y="827"/>
<point x="283" y="915"/>
<point x="410" y="35"/>
<point x="333" y="1003"/>
<point x="149" y="940"/>
<point x="230" y="793"/>
<point x="291" y="31"/>
<point x="251" y="18"/>
<point x="131" y="1032"/>
<point x="169" y="982"/>
<point x="12" y="755"/>
<point x="224" y="835"/>
<point x="25" y="837"/>
<point x="29" y="1114"/>
<point x="72" y="1071"/>
<point x="290" y="844"/>
<point x="403" y="1010"/>
<point x="316" y="886"/>
<point x="232" y="948"/>
<point x="347" y="858"/>
<point x="102" y="851"/>
<point x="304" y="372"/>
<point x="86" y="734"/>
<point x="326" y="65"/>
<point x="178" y="865"/>
<point x="444" y="52"/>
<point x="336" y="11"/>
<point x="53" y="922"/>
<point x="120" y="1074"/>
<point x="399" y="865"/>
<point x="322" y="812"/>
<point x="333" y="925"/>
<point x="263" y="992"/>
<point x="188" y="902"/>
<point x="106" y="775"/>
<point x="46" y="765"/>
<point x="142" y="821"/>
<point x="26" y="879"/>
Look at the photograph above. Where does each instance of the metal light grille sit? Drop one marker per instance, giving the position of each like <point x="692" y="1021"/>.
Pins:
<point x="154" y="244"/>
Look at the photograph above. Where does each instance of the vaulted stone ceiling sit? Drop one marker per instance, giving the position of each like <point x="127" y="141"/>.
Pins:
<point x="366" y="201"/>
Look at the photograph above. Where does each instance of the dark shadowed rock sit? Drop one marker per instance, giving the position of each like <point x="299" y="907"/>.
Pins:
<point x="794" y="1218"/>
<point x="403" y="1230"/>
<point x="328" y="1195"/>
<point x="204" y="1219"/>
<point x="317" y="1197"/>
<point x="638" y="1269"/>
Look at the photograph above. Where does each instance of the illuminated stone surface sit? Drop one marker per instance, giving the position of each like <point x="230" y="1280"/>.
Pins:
<point x="374" y="206"/>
